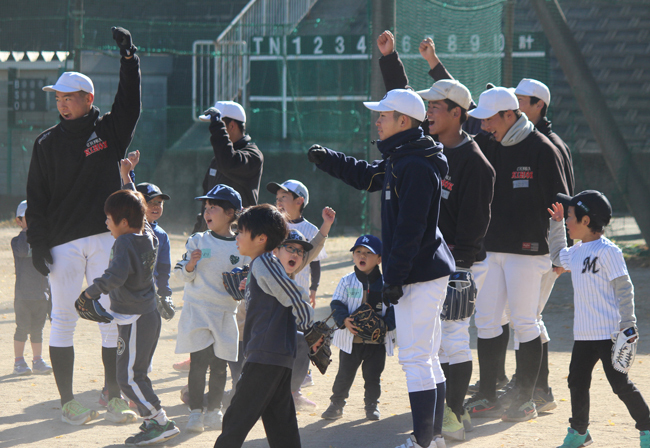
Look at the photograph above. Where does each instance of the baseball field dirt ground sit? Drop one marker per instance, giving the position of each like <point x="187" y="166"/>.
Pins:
<point x="30" y="412"/>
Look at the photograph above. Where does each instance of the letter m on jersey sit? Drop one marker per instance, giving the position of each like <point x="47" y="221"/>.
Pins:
<point x="589" y="265"/>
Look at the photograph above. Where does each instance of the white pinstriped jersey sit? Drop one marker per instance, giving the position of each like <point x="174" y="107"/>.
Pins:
<point x="309" y="231"/>
<point x="593" y="266"/>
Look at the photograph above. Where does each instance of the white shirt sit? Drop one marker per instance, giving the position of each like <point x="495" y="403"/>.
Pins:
<point x="309" y="231"/>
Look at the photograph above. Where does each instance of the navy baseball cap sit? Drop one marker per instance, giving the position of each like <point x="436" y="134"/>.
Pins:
<point x="298" y="238"/>
<point x="150" y="191"/>
<point x="370" y="242"/>
<point x="224" y="193"/>
<point x="592" y="202"/>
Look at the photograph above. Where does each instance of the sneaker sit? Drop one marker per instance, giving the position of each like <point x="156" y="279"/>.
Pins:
<point x="302" y="403"/>
<point x="40" y="367"/>
<point x="438" y="442"/>
<point x="152" y="432"/>
<point x="645" y="438"/>
<point x="183" y="366"/>
<point x="372" y="412"/>
<point x="574" y="440"/>
<point x="103" y="399"/>
<point x="195" y="422"/>
<point x="411" y="442"/>
<point x="478" y="406"/>
<point x="117" y="411"/>
<point x="75" y="414"/>
<point x="544" y="402"/>
<point x="333" y="412"/>
<point x="213" y="419"/>
<point x="508" y="396"/>
<point x="308" y="381"/>
<point x="520" y="411"/>
<point x="467" y="421"/>
<point x="501" y="383"/>
<point x="21" y="368"/>
<point x="452" y="427"/>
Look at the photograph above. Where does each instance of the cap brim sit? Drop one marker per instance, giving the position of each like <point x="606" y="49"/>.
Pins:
<point x="306" y="245"/>
<point x="376" y="106"/>
<point x="430" y="96"/>
<point x="481" y="113"/>
<point x="65" y="89"/>
<point x="563" y="199"/>
<point x="273" y="187"/>
<point x="366" y="246"/>
<point x="160" y="195"/>
<point x="204" y="118"/>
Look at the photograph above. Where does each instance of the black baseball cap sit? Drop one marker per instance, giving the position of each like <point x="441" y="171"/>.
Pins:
<point x="298" y="238"/>
<point x="592" y="202"/>
<point x="150" y="191"/>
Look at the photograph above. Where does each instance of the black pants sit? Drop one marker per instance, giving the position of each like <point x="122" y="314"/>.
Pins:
<point x="136" y="344"/>
<point x="236" y="366"/>
<point x="30" y="319"/>
<point x="584" y="357"/>
<point x="372" y="359"/>
<point x="199" y="362"/>
<point x="262" y="391"/>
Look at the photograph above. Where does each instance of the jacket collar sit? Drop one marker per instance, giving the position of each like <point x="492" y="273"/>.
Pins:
<point x="394" y="142"/>
<point x="80" y="126"/>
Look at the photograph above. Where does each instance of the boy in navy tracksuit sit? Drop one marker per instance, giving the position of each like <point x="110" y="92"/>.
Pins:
<point x="276" y="308"/>
<point x="417" y="262"/>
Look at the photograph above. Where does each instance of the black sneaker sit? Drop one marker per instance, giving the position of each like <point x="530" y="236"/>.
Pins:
<point x="152" y="432"/>
<point x="544" y="401"/>
<point x="520" y="411"/>
<point x="372" y="412"/>
<point x="508" y="395"/>
<point x="501" y="383"/>
<point x="333" y="412"/>
<point x="478" y="406"/>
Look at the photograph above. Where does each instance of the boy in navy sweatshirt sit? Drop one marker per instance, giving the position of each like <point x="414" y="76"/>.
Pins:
<point x="276" y="307"/>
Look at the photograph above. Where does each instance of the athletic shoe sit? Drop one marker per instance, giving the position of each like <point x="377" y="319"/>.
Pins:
<point x="544" y="402"/>
<point x="438" y="442"/>
<point x="452" y="427"/>
<point x="151" y="432"/>
<point x="302" y="403"/>
<point x="195" y="422"/>
<point x="501" y="383"/>
<point x="478" y="406"/>
<point x="103" y="399"/>
<point x="75" y="414"/>
<point x="183" y="366"/>
<point x="40" y="367"/>
<point x="213" y="419"/>
<point x="508" y="396"/>
<point x="645" y="438"/>
<point x="308" y="381"/>
<point x="412" y="443"/>
<point x="574" y="440"/>
<point x="520" y="411"/>
<point x="467" y="421"/>
<point x="118" y="411"/>
<point x="21" y="368"/>
<point x="333" y="412"/>
<point x="372" y="412"/>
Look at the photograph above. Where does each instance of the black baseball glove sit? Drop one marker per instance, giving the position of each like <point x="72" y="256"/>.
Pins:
<point x="461" y="296"/>
<point x="370" y="327"/>
<point x="232" y="280"/>
<point x="322" y="357"/>
<point x="91" y="309"/>
<point x="123" y="39"/>
<point x="165" y="307"/>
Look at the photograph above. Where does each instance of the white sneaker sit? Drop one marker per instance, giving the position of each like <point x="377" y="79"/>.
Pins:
<point x="412" y="443"/>
<point x="213" y="419"/>
<point x="195" y="422"/>
<point x="438" y="442"/>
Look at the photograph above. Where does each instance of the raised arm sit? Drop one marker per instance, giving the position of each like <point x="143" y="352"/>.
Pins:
<point x="392" y="69"/>
<point x="356" y="173"/>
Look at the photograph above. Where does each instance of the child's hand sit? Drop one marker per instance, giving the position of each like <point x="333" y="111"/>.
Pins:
<point x="195" y="256"/>
<point x="328" y="215"/>
<point x="557" y="213"/>
<point x="125" y="167"/>
<point x="315" y="347"/>
<point x="386" y="43"/>
<point x="134" y="157"/>
<point x="349" y="324"/>
<point x="242" y="285"/>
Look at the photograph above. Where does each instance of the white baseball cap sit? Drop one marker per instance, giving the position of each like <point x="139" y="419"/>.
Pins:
<point x="292" y="185"/>
<point x="533" y="87"/>
<point x="228" y="109"/>
<point x="448" y="89"/>
<point x="493" y="101"/>
<point x="72" y="82"/>
<point x="404" y="101"/>
<point x="22" y="208"/>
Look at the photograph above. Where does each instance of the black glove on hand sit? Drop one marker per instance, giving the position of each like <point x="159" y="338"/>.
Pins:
<point x="317" y="154"/>
<point x="124" y="41"/>
<point x="214" y="113"/>
<point x="165" y="307"/>
<point x="391" y="294"/>
<point x="39" y="256"/>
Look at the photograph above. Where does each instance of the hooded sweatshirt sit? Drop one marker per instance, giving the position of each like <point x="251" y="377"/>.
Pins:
<point x="409" y="177"/>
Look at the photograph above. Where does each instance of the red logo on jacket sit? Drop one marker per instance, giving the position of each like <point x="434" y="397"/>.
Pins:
<point x="522" y="172"/>
<point x="94" y="146"/>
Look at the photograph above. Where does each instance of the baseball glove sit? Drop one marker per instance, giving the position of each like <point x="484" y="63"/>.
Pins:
<point x="370" y="327"/>
<point x="232" y="279"/>
<point x="91" y="309"/>
<point x="461" y="296"/>
<point x="165" y="307"/>
<point x="322" y="357"/>
<point x="624" y="349"/>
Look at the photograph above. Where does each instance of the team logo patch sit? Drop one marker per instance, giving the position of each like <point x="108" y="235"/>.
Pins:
<point x="120" y="345"/>
<point x="206" y="253"/>
<point x="589" y="265"/>
<point x="533" y="247"/>
<point x="234" y="259"/>
<point x="94" y="144"/>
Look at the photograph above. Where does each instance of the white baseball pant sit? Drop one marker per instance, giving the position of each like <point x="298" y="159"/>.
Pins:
<point x="548" y="280"/>
<point x="417" y="316"/>
<point x="514" y="280"/>
<point x="87" y="257"/>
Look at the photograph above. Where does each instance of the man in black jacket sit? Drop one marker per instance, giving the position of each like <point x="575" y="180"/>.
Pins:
<point x="237" y="161"/>
<point x="74" y="168"/>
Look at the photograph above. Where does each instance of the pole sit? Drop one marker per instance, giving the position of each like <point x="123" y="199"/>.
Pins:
<point x="508" y="34"/>
<point x="618" y="158"/>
